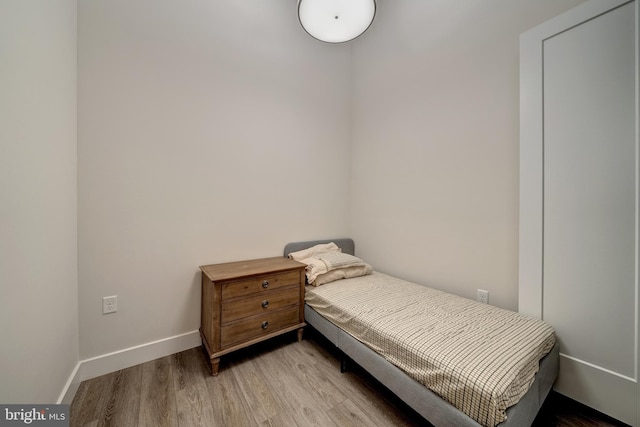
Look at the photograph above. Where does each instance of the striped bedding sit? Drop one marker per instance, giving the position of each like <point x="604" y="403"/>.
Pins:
<point x="480" y="358"/>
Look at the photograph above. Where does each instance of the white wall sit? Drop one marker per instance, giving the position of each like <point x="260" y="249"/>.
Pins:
<point x="435" y="145"/>
<point x="209" y="131"/>
<point x="38" y="199"/>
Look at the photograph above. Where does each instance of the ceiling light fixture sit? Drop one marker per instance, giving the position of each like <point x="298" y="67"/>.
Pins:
<point x="336" y="21"/>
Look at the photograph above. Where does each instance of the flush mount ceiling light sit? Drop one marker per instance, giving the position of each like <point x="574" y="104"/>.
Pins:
<point x="336" y="21"/>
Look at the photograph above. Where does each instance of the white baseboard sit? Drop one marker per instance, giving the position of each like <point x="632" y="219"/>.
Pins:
<point x="70" y="388"/>
<point x="599" y="388"/>
<point x="121" y="359"/>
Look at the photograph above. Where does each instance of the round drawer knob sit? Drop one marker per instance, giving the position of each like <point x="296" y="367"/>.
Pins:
<point x="265" y="304"/>
<point x="265" y="324"/>
<point x="265" y="284"/>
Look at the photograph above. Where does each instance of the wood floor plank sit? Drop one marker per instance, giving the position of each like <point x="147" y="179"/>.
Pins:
<point x="158" y="405"/>
<point x="280" y="420"/>
<point x="193" y="405"/>
<point x="91" y="401"/>
<point x="319" y="352"/>
<point x="366" y="392"/>
<point x="322" y="390"/>
<point x="293" y="392"/>
<point x="229" y="407"/>
<point x="348" y="414"/>
<point x="256" y="389"/>
<point x="124" y="399"/>
<point x="378" y="402"/>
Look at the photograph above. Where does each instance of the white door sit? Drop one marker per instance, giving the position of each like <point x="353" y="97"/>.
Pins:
<point x="586" y="189"/>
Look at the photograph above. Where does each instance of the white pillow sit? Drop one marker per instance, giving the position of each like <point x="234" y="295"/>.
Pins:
<point x="342" y="273"/>
<point x="329" y="261"/>
<point x="314" y="250"/>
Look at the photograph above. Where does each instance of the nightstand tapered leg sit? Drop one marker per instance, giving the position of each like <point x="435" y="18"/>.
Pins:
<point x="215" y="365"/>
<point x="300" y="331"/>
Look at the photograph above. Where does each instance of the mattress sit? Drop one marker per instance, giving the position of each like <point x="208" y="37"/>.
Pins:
<point x="480" y="358"/>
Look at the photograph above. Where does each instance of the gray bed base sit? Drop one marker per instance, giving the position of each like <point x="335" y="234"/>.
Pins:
<point x="433" y="408"/>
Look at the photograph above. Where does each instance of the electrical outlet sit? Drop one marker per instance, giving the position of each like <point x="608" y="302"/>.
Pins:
<point x="109" y="304"/>
<point x="483" y="296"/>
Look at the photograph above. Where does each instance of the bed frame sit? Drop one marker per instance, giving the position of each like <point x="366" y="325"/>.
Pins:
<point x="428" y="404"/>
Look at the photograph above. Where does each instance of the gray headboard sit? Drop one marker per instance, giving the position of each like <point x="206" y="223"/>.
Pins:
<point x="345" y="244"/>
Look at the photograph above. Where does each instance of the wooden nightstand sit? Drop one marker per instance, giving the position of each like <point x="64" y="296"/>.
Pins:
<point x="246" y="302"/>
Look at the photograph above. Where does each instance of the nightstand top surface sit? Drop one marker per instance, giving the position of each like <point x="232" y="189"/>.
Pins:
<point x="240" y="269"/>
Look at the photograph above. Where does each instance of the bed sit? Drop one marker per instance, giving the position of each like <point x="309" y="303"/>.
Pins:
<point x="352" y="334"/>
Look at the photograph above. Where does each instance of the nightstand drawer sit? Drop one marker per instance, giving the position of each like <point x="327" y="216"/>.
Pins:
<point x="266" y="302"/>
<point x="256" y="326"/>
<point x="259" y="284"/>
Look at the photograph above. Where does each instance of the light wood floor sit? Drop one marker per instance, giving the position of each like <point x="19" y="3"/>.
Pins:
<point x="276" y="383"/>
